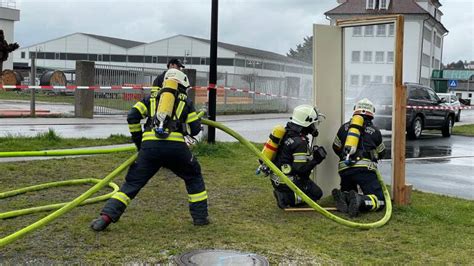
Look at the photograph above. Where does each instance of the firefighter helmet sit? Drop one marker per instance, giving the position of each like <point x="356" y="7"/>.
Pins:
<point x="305" y="115"/>
<point x="177" y="75"/>
<point x="364" y="107"/>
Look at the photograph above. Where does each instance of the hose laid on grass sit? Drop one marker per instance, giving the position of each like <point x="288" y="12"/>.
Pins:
<point x="65" y="152"/>
<point x="309" y="201"/>
<point x="77" y="201"/>
<point x="50" y="207"/>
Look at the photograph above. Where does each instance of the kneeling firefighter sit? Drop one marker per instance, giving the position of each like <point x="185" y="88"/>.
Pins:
<point x="359" y="145"/>
<point x="295" y="156"/>
<point x="170" y="117"/>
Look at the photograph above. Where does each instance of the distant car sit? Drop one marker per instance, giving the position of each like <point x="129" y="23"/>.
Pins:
<point x="452" y="100"/>
<point x="417" y="119"/>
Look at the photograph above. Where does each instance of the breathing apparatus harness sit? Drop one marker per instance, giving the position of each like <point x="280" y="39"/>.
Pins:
<point x="172" y="97"/>
<point x="354" y="152"/>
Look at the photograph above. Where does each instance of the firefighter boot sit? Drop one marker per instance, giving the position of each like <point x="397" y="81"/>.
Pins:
<point x="101" y="223"/>
<point x="201" y="221"/>
<point x="355" y="202"/>
<point x="341" y="198"/>
<point x="281" y="199"/>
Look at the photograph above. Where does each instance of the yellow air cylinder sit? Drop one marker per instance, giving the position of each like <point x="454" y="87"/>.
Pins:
<point x="271" y="146"/>
<point x="353" y="135"/>
<point x="165" y="106"/>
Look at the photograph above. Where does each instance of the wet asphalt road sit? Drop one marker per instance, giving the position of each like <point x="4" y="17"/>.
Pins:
<point x="451" y="173"/>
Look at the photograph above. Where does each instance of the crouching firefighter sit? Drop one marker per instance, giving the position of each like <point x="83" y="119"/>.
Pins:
<point x="359" y="145"/>
<point x="290" y="150"/>
<point x="170" y="117"/>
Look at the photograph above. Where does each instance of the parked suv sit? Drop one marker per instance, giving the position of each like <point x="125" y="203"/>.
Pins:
<point x="416" y="119"/>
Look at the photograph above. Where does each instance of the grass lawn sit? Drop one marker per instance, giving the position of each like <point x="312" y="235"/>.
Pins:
<point x="466" y="130"/>
<point x="50" y="141"/>
<point x="157" y="225"/>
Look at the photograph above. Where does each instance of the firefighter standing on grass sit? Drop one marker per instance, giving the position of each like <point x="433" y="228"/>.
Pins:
<point x="161" y="144"/>
<point x="359" y="146"/>
<point x="296" y="158"/>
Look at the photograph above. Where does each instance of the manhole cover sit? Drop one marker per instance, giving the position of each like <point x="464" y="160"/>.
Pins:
<point x="220" y="257"/>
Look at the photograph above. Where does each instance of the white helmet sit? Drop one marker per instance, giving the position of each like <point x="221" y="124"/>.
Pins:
<point x="305" y="115"/>
<point x="364" y="107"/>
<point x="177" y="75"/>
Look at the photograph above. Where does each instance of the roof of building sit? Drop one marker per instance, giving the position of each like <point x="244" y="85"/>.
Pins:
<point x="116" y="41"/>
<point x="253" y="52"/>
<point x="358" y="7"/>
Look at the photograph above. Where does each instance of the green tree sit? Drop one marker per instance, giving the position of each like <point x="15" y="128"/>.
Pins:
<point x="303" y="52"/>
<point x="456" y="65"/>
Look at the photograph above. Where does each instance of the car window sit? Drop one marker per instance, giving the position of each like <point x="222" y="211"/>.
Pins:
<point x="432" y="95"/>
<point x="419" y="94"/>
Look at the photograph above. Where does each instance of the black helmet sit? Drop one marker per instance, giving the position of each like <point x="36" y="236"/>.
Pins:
<point x="175" y="61"/>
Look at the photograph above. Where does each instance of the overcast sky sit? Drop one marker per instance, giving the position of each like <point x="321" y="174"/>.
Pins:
<point x="272" y="25"/>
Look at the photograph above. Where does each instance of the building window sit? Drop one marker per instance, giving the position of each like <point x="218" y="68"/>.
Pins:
<point x="365" y="79"/>
<point x="390" y="57"/>
<point x="154" y="59"/>
<point x="355" y="80"/>
<point x="469" y="95"/>
<point x="384" y="4"/>
<point x="381" y="30"/>
<point x="23" y="54"/>
<point x="355" y="56"/>
<point x="427" y="34"/>
<point x="357" y="31"/>
<point x="438" y="41"/>
<point x="99" y="57"/>
<point x="369" y="31"/>
<point x="202" y="61"/>
<point x="389" y="79"/>
<point x="391" y="29"/>
<point x="378" y="79"/>
<point x="436" y="64"/>
<point x="425" y="60"/>
<point x="367" y="56"/>
<point x="56" y="56"/>
<point x="379" y="57"/>
<point x="370" y="4"/>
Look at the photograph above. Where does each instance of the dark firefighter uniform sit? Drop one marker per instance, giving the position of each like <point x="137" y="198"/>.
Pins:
<point x="295" y="159"/>
<point x="363" y="163"/>
<point x="154" y="153"/>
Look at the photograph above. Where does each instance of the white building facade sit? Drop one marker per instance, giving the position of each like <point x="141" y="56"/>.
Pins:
<point x="61" y="53"/>
<point x="8" y="15"/>
<point x="370" y="54"/>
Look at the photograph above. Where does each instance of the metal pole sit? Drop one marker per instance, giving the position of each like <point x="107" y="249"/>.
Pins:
<point x="211" y="137"/>
<point x="33" y="83"/>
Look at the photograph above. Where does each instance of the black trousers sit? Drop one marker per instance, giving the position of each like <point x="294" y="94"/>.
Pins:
<point x="152" y="156"/>
<point x="306" y="185"/>
<point x="365" y="178"/>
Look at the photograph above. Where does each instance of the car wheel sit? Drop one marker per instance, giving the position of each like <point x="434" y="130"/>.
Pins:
<point x="414" y="132"/>
<point x="458" y="116"/>
<point x="448" y="127"/>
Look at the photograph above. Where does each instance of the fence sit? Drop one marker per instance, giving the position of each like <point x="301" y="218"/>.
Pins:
<point x="228" y="101"/>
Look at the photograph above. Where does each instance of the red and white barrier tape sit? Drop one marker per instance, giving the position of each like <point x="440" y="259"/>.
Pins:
<point x="73" y="87"/>
<point x="439" y="107"/>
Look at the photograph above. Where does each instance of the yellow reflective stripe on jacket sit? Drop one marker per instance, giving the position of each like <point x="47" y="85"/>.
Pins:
<point x="337" y="142"/>
<point x="197" y="197"/>
<point x="193" y="116"/>
<point x="122" y="197"/>
<point x="361" y="163"/>
<point x="135" y="127"/>
<point x="179" y="109"/>
<point x="380" y="148"/>
<point x="152" y="106"/>
<point x="299" y="157"/>
<point x="141" y="108"/>
<point x="174" y="136"/>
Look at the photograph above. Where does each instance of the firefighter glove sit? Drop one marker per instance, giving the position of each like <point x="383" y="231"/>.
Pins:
<point x="319" y="153"/>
